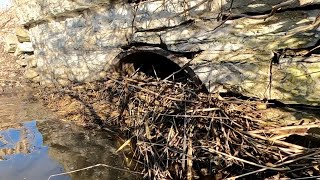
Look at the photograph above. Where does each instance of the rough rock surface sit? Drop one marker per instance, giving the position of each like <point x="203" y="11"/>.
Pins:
<point x="243" y="46"/>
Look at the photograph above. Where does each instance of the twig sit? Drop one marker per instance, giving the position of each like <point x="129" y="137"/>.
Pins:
<point x="302" y="178"/>
<point x="192" y="116"/>
<point x="181" y="69"/>
<point x="281" y="143"/>
<point x="277" y="165"/>
<point x="90" y="167"/>
<point x="274" y="130"/>
<point x="247" y="174"/>
<point x="184" y="139"/>
<point x="244" y="161"/>
<point x="151" y="92"/>
<point x="203" y="110"/>
<point x="299" y="158"/>
<point x="317" y="47"/>
<point x="189" y="160"/>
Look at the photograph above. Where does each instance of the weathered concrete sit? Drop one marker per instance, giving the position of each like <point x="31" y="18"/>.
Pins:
<point x="78" y="40"/>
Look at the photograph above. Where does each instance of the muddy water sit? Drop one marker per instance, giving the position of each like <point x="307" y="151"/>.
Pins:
<point x="34" y="144"/>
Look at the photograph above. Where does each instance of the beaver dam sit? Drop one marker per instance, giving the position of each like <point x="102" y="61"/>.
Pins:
<point x="174" y="130"/>
<point x="170" y="105"/>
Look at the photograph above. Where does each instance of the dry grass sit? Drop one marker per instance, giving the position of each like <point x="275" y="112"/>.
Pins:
<point x="172" y="130"/>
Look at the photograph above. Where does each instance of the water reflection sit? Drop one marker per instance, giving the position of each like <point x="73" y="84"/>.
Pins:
<point x="35" y="150"/>
<point x="24" y="155"/>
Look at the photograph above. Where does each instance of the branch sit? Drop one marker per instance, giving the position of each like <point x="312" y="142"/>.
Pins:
<point x="90" y="167"/>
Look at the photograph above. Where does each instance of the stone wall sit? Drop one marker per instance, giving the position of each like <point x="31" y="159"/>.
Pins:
<point x="238" y="45"/>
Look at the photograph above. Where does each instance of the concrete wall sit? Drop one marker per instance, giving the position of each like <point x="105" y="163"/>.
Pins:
<point x="78" y="40"/>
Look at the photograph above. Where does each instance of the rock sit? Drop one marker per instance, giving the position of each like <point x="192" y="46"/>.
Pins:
<point x="22" y="34"/>
<point x="22" y="62"/>
<point x="31" y="61"/>
<point x="25" y="47"/>
<point x="11" y="42"/>
<point x="36" y="79"/>
<point x="102" y="74"/>
<point x="63" y="82"/>
<point x="31" y="73"/>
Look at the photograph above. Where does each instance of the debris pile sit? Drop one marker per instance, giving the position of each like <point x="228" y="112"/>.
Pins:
<point x="173" y="130"/>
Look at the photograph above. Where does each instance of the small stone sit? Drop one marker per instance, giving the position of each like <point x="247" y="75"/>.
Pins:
<point x="31" y="73"/>
<point x="25" y="47"/>
<point x="63" y="82"/>
<point x="22" y="35"/>
<point x="31" y="61"/>
<point x="36" y="79"/>
<point x="102" y="74"/>
<point x="22" y="62"/>
<point x="11" y="42"/>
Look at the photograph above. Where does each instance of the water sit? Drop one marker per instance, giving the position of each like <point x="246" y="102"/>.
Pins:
<point x="36" y="149"/>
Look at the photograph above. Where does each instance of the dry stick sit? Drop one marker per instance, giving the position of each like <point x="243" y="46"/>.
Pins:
<point x="270" y="79"/>
<point x="154" y="93"/>
<point x="289" y="151"/>
<point x="203" y="110"/>
<point x="192" y="116"/>
<point x="276" y="141"/>
<point x="90" y="167"/>
<point x="244" y="161"/>
<point x="302" y="168"/>
<point x="277" y="165"/>
<point x="302" y="157"/>
<point x="283" y="136"/>
<point x="286" y="128"/>
<point x="263" y="169"/>
<point x="312" y="177"/>
<point x="181" y="69"/>
<point x="184" y="139"/>
<point x="246" y="174"/>
<point x="317" y="47"/>
<point x="189" y="160"/>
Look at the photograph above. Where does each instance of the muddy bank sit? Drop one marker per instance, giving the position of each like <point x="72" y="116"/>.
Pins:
<point x="18" y="105"/>
<point x="174" y="130"/>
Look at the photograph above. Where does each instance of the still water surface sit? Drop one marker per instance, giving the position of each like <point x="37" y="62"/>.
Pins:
<point x="36" y="149"/>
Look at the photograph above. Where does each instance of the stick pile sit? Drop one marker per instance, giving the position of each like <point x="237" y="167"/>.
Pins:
<point x="172" y="130"/>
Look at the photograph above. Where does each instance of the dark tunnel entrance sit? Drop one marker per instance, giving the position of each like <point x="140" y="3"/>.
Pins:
<point x="153" y="65"/>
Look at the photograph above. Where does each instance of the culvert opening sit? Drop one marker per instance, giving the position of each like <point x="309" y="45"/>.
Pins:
<point x="157" y="66"/>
